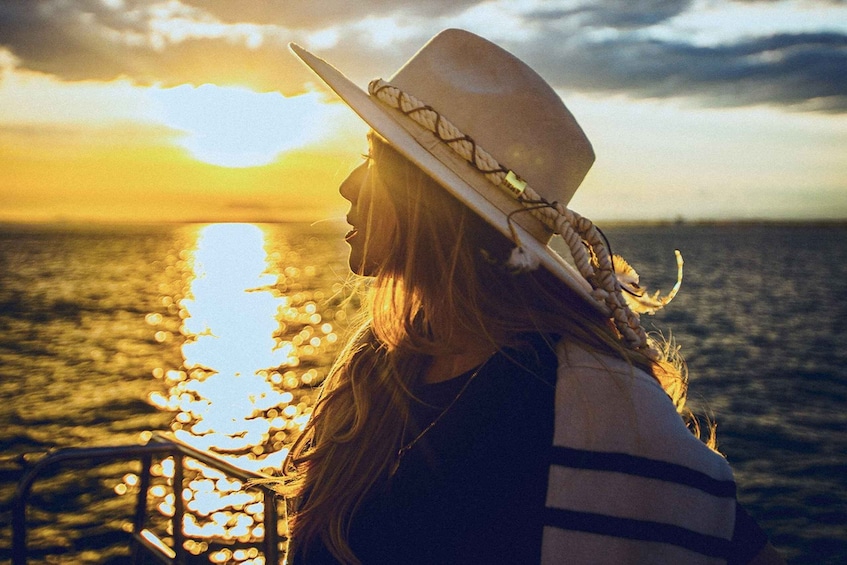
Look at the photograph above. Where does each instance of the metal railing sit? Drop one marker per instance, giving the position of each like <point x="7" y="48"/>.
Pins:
<point x="142" y="538"/>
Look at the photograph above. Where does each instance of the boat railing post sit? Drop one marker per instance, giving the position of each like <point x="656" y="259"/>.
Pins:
<point x="179" y="508"/>
<point x="19" y="548"/>
<point x="55" y="458"/>
<point x="141" y="506"/>
<point x="162" y="447"/>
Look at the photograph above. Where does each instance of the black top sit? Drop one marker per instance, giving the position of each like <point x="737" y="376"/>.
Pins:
<point x="472" y="489"/>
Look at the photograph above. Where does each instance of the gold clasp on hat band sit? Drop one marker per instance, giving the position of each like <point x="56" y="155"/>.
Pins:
<point x="514" y="184"/>
<point x="588" y="246"/>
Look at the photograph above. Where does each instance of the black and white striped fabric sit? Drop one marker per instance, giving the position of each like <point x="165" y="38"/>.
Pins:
<point x="629" y="483"/>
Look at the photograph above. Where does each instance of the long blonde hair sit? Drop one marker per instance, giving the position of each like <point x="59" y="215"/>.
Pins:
<point x="443" y="276"/>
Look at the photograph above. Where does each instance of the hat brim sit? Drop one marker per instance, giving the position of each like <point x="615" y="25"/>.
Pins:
<point x="382" y="119"/>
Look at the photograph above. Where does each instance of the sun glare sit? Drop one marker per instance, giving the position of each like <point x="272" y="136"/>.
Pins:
<point x="237" y="127"/>
<point x="230" y="266"/>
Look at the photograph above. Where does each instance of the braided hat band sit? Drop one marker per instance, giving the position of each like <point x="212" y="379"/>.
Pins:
<point x="614" y="283"/>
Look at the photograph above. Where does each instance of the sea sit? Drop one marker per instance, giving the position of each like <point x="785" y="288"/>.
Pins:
<point x="218" y="333"/>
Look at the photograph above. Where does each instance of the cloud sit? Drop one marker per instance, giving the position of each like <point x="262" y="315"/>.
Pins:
<point x="189" y="41"/>
<point x="609" y="47"/>
<point x="833" y="2"/>
<point x="147" y="41"/>
<point x="805" y="71"/>
<point x="314" y="15"/>
<point x="617" y="13"/>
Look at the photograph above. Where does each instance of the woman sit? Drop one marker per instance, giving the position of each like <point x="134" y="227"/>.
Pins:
<point x="498" y="404"/>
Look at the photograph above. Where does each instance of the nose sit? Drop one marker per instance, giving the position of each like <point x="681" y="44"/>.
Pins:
<point x="351" y="186"/>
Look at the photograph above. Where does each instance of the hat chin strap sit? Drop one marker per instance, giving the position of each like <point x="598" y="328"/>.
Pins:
<point x="586" y="243"/>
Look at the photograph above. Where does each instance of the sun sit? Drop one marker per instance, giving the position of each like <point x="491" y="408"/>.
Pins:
<point x="232" y="126"/>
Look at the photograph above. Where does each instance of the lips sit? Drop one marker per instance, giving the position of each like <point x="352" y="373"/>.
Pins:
<point x="353" y="232"/>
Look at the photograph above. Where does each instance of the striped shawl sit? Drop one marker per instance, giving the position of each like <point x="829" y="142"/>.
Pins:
<point x="629" y="483"/>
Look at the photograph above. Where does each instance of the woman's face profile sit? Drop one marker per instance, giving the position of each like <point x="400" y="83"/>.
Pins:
<point x="371" y="216"/>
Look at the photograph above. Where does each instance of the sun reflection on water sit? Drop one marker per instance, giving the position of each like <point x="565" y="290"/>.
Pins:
<point x="232" y="356"/>
<point x="253" y="338"/>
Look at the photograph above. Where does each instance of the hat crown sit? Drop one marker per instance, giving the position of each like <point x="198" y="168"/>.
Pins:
<point x="460" y="86"/>
<point x="505" y="106"/>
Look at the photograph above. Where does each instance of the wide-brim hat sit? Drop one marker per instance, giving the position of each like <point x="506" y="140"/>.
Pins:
<point x="491" y="131"/>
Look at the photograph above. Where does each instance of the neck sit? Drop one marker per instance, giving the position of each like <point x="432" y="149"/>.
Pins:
<point x="450" y="366"/>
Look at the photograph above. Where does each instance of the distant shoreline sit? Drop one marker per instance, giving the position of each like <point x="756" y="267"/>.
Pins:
<point x="738" y="222"/>
<point x="94" y="226"/>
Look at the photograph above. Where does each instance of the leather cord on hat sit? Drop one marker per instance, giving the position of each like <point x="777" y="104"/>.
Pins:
<point x="587" y="245"/>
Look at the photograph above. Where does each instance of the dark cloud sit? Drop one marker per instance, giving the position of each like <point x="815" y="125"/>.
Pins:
<point x="801" y="70"/>
<point x="87" y="40"/>
<point x="833" y="2"/>
<point x="621" y="14"/>
<point x="311" y="14"/>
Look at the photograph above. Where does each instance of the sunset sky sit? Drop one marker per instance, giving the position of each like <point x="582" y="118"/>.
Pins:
<point x="185" y="110"/>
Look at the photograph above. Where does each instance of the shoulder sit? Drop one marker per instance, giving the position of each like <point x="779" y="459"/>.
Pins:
<point x="619" y="437"/>
<point x="607" y="404"/>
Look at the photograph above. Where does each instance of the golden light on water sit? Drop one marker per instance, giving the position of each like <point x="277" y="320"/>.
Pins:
<point x="230" y="319"/>
<point x="252" y="337"/>
<point x="230" y="395"/>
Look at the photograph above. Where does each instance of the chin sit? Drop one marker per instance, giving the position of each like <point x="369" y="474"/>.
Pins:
<point x="356" y="265"/>
<point x="359" y="267"/>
